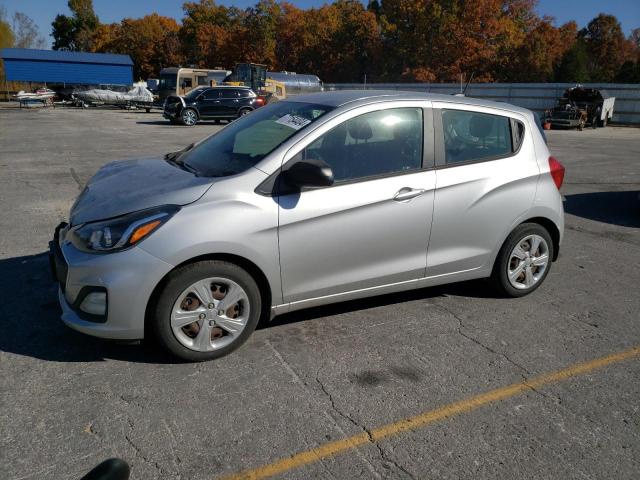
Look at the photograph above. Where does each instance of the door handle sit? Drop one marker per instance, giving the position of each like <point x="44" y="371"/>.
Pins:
<point x="407" y="193"/>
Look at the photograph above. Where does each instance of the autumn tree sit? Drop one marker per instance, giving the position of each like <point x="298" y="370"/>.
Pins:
<point x="7" y="37"/>
<point x="151" y="42"/>
<point x="260" y="26"/>
<point x="212" y="35"/>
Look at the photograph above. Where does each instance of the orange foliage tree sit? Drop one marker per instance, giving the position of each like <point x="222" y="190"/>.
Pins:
<point x="389" y="40"/>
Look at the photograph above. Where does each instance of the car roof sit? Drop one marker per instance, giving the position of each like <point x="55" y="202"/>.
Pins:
<point x="339" y="98"/>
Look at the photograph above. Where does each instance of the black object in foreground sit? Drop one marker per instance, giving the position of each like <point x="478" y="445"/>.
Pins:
<point x="112" y="469"/>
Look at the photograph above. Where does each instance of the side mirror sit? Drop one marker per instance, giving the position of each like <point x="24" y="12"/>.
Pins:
<point x="309" y="173"/>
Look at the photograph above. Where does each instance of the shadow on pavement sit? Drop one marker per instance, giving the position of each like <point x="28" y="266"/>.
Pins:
<point x="31" y="324"/>
<point x="616" y="208"/>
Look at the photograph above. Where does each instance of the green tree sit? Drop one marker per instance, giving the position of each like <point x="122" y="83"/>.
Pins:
<point x="574" y="66"/>
<point x="607" y="47"/>
<point x="75" y="32"/>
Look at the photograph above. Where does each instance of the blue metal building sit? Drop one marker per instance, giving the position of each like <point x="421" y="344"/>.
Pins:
<point x="76" y="68"/>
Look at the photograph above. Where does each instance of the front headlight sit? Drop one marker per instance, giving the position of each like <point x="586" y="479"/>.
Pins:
<point x="121" y="232"/>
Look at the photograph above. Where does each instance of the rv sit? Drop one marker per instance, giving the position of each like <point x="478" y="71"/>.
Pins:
<point x="175" y="81"/>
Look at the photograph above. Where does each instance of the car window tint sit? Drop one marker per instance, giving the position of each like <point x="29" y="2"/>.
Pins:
<point x="470" y="136"/>
<point x="211" y="95"/>
<point x="228" y="93"/>
<point x="376" y="143"/>
<point x="518" y="135"/>
<point x="244" y="93"/>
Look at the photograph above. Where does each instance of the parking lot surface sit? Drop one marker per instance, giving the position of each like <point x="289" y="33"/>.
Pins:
<point x="334" y="384"/>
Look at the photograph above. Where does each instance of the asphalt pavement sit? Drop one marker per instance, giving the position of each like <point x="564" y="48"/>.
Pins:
<point x="447" y="382"/>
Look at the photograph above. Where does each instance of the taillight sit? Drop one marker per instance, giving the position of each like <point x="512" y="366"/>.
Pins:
<point x="260" y="101"/>
<point x="557" y="171"/>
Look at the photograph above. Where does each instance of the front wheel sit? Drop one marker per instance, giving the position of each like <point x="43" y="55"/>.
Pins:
<point x="206" y="310"/>
<point x="523" y="261"/>
<point x="189" y="117"/>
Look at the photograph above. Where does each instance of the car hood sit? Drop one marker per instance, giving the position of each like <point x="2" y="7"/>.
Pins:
<point x="131" y="185"/>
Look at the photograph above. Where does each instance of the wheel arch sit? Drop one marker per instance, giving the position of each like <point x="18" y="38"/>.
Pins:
<point x="553" y="230"/>
<point x="251" y="268"/>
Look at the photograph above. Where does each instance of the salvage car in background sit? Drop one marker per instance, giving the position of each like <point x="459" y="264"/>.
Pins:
<point x="217" y="103"/>
<point x="580" y="106"/>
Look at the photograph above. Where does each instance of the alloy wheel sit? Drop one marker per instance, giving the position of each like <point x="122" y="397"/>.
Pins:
<point x="528" y="262"/>
<point x="189" y="117"/>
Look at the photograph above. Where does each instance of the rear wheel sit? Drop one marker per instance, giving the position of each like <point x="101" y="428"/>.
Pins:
<point x="206" y="310"/>
<point x="243" y="112"/>
<point x="189" y="117"/>
<point x="523" y="261"/>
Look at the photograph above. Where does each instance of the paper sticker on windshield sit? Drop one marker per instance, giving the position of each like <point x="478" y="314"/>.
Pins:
<point x="293" y="121"/>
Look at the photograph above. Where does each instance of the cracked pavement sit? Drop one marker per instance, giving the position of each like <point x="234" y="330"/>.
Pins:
<point x="68" y="401"/>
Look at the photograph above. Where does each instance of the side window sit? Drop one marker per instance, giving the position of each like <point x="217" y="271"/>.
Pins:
<point x="228" y="93"/>
<point x="202" y="81"/>
<point x="186" y="83"/>
<point x="470" y="136"/>
<point x="377" y="143"/>
<point x="211" y="95"/>
<point x="244" y="93"/>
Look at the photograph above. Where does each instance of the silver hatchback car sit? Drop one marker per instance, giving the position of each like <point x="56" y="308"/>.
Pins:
<point x="305" y="202"/>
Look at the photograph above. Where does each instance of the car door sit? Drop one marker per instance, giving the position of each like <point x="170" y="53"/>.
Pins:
<point x="209" y="103"/>
<point x="487" y="174"/>
<point x="371" y="227"/>
<point x="229" y="102"/>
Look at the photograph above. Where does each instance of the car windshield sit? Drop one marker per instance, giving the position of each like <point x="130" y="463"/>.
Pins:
<point x="246" y="141"/>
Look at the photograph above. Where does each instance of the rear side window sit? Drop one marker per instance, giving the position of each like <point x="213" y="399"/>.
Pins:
<point x="475" y="136"/>
<point x="244" y="93"/>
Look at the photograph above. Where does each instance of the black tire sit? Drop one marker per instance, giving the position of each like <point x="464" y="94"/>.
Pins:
<point x="189" y="117"/>
<point x="244" y="111"/>
<point x="180" y="279"/>
<point x="499" y="277"/>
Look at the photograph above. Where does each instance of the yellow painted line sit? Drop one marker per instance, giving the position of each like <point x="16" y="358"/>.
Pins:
<point x="431" y="416"/>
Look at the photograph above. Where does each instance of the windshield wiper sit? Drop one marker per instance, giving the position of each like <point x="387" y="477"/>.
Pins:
<point x="174" y="158"/>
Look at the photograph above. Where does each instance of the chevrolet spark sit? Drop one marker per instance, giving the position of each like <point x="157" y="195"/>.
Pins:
<point x="305" y="202"/>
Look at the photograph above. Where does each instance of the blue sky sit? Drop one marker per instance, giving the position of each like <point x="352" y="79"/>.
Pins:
<point x="43" y="11"/>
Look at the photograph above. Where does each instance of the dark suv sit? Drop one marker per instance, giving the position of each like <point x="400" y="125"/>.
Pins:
<point x="218" y="103"/>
